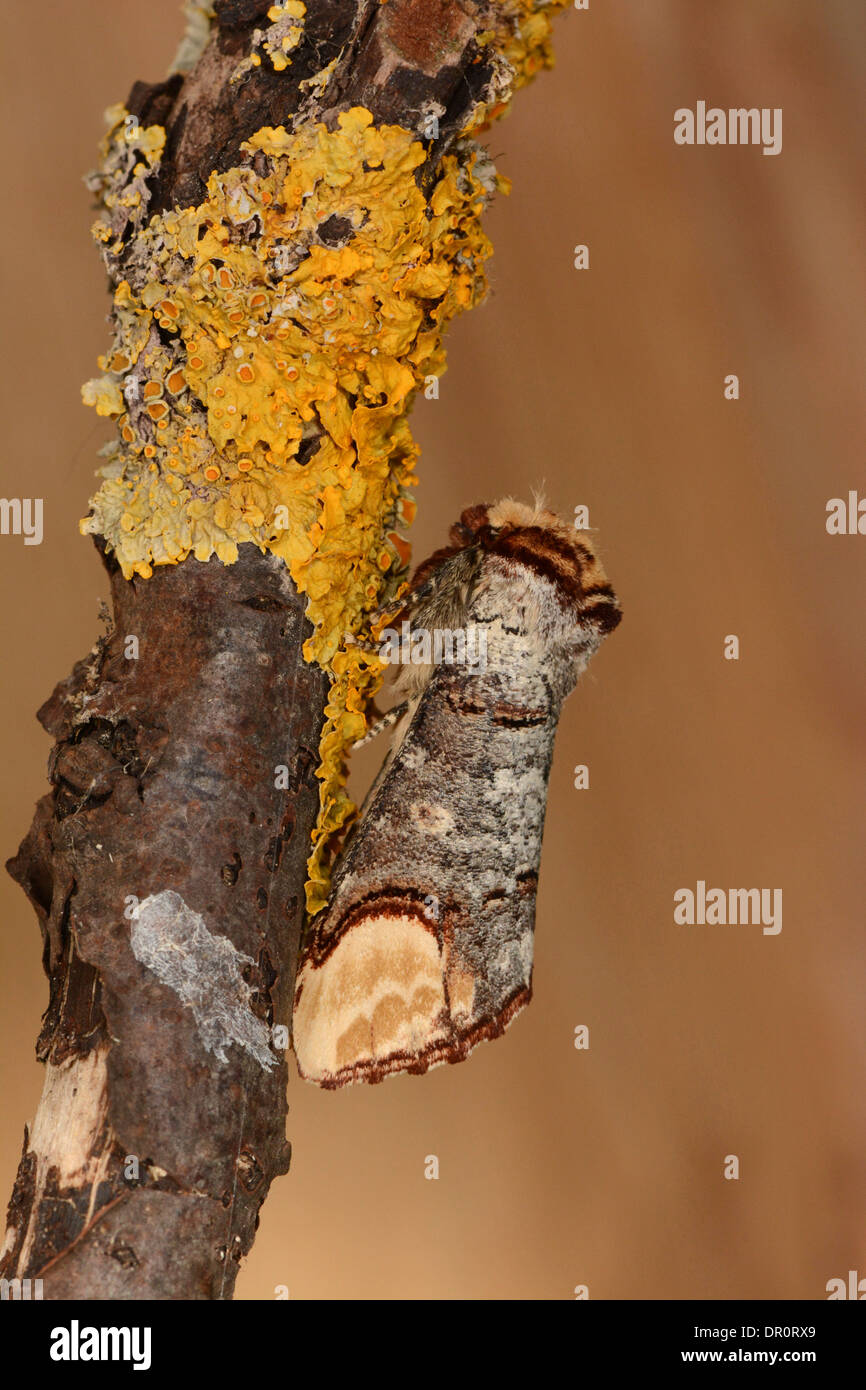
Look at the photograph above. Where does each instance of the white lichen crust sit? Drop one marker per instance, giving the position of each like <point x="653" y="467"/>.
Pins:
<point x="205" y="972"/>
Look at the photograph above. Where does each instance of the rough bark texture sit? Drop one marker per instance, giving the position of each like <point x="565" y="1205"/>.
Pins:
<point x="163" y="779"/>
<point x="394" y="59"/>
<point x="163" y="782"/>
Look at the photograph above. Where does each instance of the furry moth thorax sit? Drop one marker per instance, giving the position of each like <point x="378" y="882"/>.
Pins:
<point x="425" y="946"/>
<point x="543" y="545"/>
<point x="546" y="569"/>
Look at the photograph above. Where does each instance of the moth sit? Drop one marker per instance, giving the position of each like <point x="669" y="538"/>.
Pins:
<point x="425" y="946"/>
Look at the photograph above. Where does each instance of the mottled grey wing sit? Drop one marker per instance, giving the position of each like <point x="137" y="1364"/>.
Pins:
<point x="425" y="948"/>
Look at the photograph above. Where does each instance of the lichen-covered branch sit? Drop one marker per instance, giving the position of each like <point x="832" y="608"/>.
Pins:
<point x="289" y="223"/>
<point x="151" y="1152"/>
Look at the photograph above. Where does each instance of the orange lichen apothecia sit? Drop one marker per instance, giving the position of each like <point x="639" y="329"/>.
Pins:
<point x="267" y="346"/>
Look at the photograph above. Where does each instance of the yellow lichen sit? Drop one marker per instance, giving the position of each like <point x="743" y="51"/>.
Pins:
<point x="528" y="45"/>
<point x="103" y="392"/>
<point x="130" y="154"/>
<point x="285" y="33"/>
<point x="262" y="368"/>
<point x="267" y="348"/>
<point x="319" y="80"/>
<point x="277" y="41"/>
<point x="522" y="39"/>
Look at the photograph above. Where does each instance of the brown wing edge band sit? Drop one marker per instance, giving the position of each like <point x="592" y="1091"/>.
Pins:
<point x="391" y="901"/>
<point x="452" y="1050"/>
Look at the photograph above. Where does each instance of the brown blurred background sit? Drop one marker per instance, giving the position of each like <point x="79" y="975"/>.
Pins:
<point x="561" y="1167"/>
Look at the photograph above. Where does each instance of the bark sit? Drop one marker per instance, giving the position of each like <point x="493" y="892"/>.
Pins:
<point x="163" y="776"/>
<point x="149" y="1159"/>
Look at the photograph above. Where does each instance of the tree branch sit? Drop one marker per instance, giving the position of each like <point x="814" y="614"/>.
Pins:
<point x="167" y="865"/>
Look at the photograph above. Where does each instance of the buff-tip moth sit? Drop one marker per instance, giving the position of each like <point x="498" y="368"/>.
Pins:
<point x="425" y="946"/>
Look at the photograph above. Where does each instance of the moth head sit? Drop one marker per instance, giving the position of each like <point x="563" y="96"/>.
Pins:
<point x="538" y="539"/>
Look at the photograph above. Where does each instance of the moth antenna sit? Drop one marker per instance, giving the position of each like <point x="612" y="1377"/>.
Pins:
<point x="415" y="597"/>
<point x="539" y="497"/>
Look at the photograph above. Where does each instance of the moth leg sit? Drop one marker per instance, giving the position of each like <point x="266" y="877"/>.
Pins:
<point x="396" y="609"/>
<point x="363" y="644"/>
<point x="383" y="722"/>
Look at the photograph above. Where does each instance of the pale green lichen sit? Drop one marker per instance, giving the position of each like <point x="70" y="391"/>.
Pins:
<point x="199" y="17"/>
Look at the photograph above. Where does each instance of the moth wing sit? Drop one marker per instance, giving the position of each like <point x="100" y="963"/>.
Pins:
<point x="425" y="948"/>
<point x="377" y="1002"/>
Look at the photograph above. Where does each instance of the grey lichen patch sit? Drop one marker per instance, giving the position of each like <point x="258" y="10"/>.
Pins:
<point x="204" y="971"/>
<point x="199" y="17"/>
